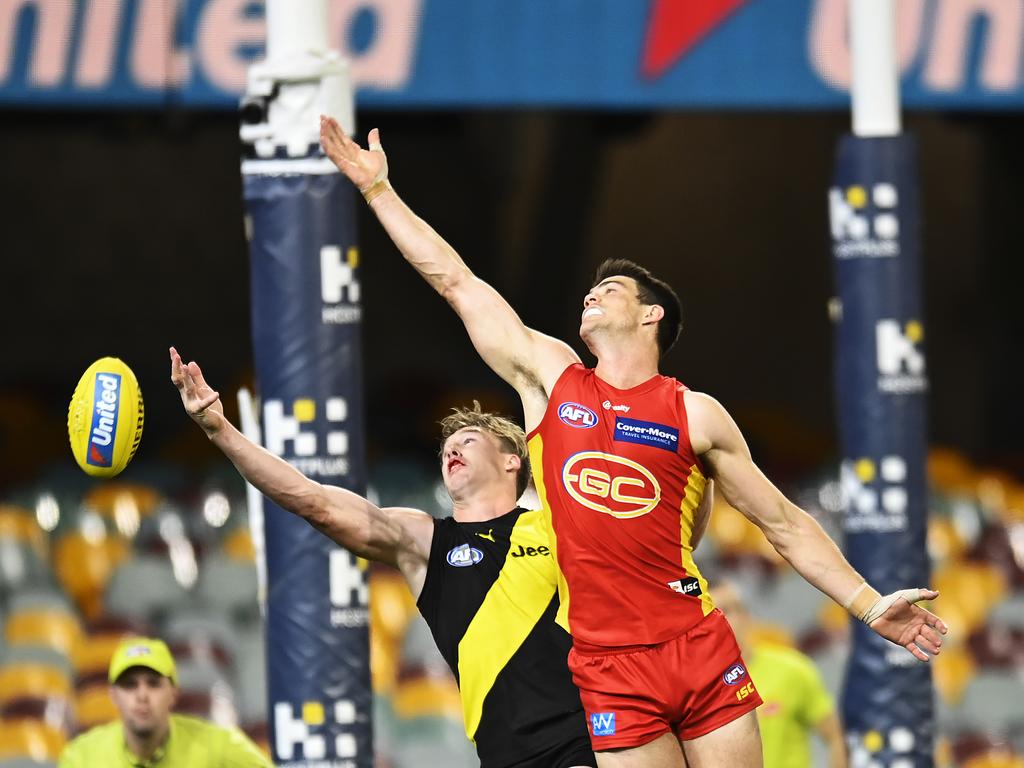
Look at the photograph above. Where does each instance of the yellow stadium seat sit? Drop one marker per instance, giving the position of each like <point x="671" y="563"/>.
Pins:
<point x="51" y="628"/>
<point x="424" y="696"/>
<point x="953" y="669"/>
<point x="1014" y="512"/>
<point x="93" y="706"/>
<point x="93" y="654"/>
<point x="944" y="541"/>
<point x="765" y="633"/>
<point x="997" y="758"/>
<point x="735" y="535"/>
<point x="968" y="592"/>
<point x="32" y="681"/>
<point x="950" y="471"/>
<point x="391" y="608"/>
<point x="84" y="567"/>
<point x="833" y="618"/>
<point x="238" y="545"/>
<point x="32" y="739"/>
<point x="111" y="498"/>
<point x="19" y="524"/>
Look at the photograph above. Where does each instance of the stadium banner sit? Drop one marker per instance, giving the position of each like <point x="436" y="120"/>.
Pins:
<point x="881" y="389"/>
<point x="635" y="54"/>
<point x="306" y="325"/>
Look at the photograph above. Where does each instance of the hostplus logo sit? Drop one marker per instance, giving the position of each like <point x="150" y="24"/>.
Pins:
<point x="281" y="428"/>
<point x="349" y="592"/>
<point x="305" y="732"/>
<point x="339" y="286"/>
<point x="899" y="356"/>
<point x="874" y="494"/>
<point x="864" y="226"/>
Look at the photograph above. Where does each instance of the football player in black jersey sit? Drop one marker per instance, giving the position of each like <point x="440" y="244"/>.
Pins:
<point x="485" y="578"/>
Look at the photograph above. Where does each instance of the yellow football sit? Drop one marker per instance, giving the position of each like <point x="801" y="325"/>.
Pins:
<point x="105" y="418"/>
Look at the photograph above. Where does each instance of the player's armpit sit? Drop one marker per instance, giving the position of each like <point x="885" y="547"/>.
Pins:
<point x="528" y="360"/>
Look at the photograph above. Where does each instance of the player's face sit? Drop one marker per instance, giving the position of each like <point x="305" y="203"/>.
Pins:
<point x="471" y="455"/>
<point x="611" y="304"/>
<point x="144" y="699"/>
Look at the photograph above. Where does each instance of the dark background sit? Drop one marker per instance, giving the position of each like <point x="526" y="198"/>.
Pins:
<point x="123" y="233"/>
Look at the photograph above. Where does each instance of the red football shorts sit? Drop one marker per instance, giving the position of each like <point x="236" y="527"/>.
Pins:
<point x="689" y="685"/>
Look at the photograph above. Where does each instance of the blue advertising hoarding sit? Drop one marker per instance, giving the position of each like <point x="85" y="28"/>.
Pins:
<point x="630" y="54"/>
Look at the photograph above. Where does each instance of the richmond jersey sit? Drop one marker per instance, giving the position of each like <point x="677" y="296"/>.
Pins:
<point x="617" y="471"/>
<point x="489" y="600"/>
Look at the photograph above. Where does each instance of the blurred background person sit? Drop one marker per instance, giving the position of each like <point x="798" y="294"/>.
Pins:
<point x="796" y="701"/>
<point x="144" y="687"/>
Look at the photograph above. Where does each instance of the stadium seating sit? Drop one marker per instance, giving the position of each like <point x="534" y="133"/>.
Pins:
<point x="68" y="597"/>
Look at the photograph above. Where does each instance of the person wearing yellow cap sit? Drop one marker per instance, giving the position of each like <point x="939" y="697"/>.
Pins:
<point x="144" y="687"/>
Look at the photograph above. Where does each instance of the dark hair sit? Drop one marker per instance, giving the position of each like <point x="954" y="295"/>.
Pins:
<point x="650" y="290"/>
<point x="509" y="434"/>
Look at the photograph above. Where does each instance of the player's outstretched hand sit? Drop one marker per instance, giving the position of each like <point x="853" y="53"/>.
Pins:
<point x="201" y="402"/>
<point x="899" y="620"/>
<point x="363" y="167"/>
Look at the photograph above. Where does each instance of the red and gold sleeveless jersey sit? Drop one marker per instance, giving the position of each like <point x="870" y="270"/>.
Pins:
<point x="616" y="470"/>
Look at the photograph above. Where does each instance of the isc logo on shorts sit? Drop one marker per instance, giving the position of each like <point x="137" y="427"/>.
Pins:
<point x="603" y="723"/>
<point x="611" y="484"/>
<point x="576" y="415"/>
<point x="734" y="674"/>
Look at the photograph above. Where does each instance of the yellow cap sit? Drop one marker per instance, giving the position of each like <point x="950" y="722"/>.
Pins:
<point x="145" y="652"/>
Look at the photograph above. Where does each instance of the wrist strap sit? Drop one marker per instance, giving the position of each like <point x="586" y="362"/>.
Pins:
<point x="861" y="600"/>
<point x="375" y="190"/>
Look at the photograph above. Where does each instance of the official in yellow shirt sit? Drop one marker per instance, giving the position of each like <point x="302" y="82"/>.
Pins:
<point x="796" y="702"/>
<point x="143" y="685"/>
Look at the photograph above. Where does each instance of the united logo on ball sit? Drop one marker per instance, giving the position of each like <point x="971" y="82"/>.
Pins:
<point x="105" y="418"/>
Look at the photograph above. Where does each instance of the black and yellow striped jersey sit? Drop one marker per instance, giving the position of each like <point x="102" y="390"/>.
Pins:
<point x="490" y="601"/>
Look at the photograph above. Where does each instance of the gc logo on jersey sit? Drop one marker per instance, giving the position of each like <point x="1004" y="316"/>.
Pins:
<point x="576" y="415"/>
<point x="611" y="484"/>
<point x="464" y="555"/>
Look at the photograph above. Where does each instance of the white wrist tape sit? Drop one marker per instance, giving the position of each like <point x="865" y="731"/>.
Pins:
<point x="882" y="604"/>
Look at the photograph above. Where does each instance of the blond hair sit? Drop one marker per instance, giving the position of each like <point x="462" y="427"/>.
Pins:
<point x="509" y="434"/>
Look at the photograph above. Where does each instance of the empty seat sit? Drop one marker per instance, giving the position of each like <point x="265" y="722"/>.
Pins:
<point x="144" y="587"/>
<point x="31" y="739"/>
<point x="50" y="627"/>
<point x="229" y="586"/>
<point x="251" y="676"/>
<point x="84" y="565"/>
<point x="991" y="703"/>
<point x="93" y="706"/>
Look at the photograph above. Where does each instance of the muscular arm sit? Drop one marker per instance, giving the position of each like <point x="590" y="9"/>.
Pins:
<point x="528" y="360"/>
<point x="396" y="536"/>
<point x="796" y="535"/>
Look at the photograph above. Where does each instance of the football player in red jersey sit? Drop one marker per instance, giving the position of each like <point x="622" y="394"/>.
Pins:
<point x="621" y="455"/>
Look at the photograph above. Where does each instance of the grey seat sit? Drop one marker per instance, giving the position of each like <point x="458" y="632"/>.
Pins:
<point x="144" y="587"/>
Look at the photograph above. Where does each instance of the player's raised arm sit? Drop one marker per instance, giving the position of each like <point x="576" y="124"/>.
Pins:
<point x="396" y="536"/>
<point x="800" y="540"/>
<point x="523" y="357"/>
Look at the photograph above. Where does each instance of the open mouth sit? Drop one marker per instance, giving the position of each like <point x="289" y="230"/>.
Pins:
<point x="591" y="312"/>
<point x="454" y="464"/>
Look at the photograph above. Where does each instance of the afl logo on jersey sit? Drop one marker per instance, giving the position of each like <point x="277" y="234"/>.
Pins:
<point x="576" y="415"/>
<point x="464" y="555"/>
<point x="611" y="484"/>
